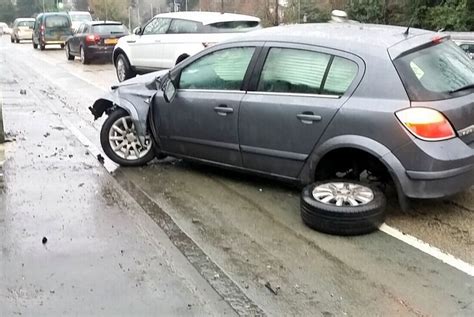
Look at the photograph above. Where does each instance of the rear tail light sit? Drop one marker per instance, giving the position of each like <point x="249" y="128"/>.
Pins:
<point x="42" y="29"/>
<point x="92" y="39"/>
<point x="426" y="124"/>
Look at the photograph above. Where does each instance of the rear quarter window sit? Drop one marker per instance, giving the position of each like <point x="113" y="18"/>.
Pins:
<point x="109" y="29"/>
<point x="435" y="72"/>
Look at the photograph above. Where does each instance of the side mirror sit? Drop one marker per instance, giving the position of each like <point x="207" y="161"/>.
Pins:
<point x="137" y="30"/>
<point x="169" y="90"/>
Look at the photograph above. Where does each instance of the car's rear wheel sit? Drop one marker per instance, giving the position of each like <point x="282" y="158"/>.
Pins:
<point x="84" y="58"/>
<point x="69" y="56"/>
<point x="120" y="142"/>
<point x="35" y="46"/>
<point x="12" y="40"/>
<point x="42" y="46"/>
<point x="123" y="68"/>
<point x="17" y="41"/>
<point x="343" y="207"/>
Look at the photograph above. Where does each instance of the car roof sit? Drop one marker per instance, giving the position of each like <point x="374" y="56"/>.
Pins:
<point x="79" y="12"/>
<point x="355" y="36"/>
<point x="208" y="17"/>
<point x="468" y="36"/>
<point x="103" y="22"/>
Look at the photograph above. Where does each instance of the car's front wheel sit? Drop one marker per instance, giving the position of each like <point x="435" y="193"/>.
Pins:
<point x="123" y="68"/>
<point x="120" y="142"/>
<point x="343" y="207"/>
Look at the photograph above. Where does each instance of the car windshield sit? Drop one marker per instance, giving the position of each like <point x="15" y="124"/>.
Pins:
<point x="80" y="17"/>
<point x="28" y="24"/>
<point x="433" y="73"/>
<point x="57" y="21"/>
<point x="109" y="29"/>
<point x="233" y="26"/>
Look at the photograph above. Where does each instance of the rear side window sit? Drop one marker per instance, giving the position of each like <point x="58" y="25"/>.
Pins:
<point x="306" y="72"/>
<point x="57" y="21"/>
<point x="109" y="29"/>
<point x="220" y="70"/>
<point x="184" y="26"/>
<point x="233" y="26"/>
<point x="435" y="72"/>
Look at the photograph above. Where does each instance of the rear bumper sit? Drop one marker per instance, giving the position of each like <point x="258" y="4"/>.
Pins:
<point x="435" y="170"/>
<point x="97" y="51"/>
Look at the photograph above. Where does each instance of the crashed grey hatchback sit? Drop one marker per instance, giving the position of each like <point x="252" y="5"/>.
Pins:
<point x="340" y="108"/>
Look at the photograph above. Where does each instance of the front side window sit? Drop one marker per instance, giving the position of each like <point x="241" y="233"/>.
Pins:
<point x="184" y="26"/>
<point x="293" y="71"/>
<point x="220" y="70"/>
<point x="436" y="72"/>
<point x="157" y="26"/>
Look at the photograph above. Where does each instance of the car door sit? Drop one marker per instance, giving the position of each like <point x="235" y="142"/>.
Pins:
<point x="202" y="121"/>
<point x="74" y="42"/>
<point x="146" y="48"/>
<point x="295" y="94"/>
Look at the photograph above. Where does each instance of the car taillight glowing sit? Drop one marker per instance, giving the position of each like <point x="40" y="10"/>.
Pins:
<point x="426" y="124"/>
<point x="92" y="39"/>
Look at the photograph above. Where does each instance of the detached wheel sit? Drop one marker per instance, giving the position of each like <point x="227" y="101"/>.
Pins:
<point x="120" y="142"/>
<point x="69" y="56"/>
<point x="343" y="207"/>
<point x="123" y="68"/>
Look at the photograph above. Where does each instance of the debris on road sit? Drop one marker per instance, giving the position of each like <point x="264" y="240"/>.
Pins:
<point x="44" y="240"/>
<point x="22" y="91"/>
<point x="100" y="158"/>
<point x="195" y="220"/>
<point x="274" y="289"/>
<point x="47" y="134"/>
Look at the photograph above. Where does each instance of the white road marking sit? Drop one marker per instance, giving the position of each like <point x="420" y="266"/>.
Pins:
<point x="429" y="249"/>
<point x="94" y="150"/>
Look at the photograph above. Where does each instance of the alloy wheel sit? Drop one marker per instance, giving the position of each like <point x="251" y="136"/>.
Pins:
<point x="124" y="141"/>
<point x="343" y="194"/>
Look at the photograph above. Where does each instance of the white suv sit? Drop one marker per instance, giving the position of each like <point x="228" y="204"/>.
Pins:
<point x="169" y="38"/>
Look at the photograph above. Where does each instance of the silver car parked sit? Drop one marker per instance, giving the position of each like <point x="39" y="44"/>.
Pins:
<point x="340" y="108"/>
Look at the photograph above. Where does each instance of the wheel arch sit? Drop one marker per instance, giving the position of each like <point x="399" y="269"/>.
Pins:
<point x="116" y="53"/>
<point x="349" y="144"/>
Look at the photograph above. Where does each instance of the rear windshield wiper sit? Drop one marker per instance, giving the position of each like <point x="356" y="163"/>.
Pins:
<point x="462" y="88"/>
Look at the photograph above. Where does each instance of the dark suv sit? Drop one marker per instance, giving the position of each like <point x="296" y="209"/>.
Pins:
<point x="345" y="108"/>
<point x="51" y="28"/>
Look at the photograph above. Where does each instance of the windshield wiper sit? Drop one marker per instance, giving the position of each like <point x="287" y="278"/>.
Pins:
<point x="462" y="88"/>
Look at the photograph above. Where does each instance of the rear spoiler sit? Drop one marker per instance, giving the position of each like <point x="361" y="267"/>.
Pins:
<point x="416" y="43"/>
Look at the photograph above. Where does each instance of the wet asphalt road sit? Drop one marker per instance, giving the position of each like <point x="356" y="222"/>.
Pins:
<point x="246" y="226"/>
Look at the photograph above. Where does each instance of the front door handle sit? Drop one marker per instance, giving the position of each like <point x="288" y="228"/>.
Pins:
<point x="308" y="117"/>
<point x="223" y="110"/>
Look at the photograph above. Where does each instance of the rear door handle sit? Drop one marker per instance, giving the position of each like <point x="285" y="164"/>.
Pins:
<point x="308" y="117"/>
<point x="223" y="110"/>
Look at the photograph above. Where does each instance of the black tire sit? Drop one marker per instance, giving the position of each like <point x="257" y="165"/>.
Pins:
<point x="343" y="220"/>
<point x="128" y="71"/>
<point x="17" y="41"/>
<point x="84" y="58"/>
<point x="12" y="40"/>
<point x="106" y="146"/>
<point x="35" y="46"/>
<point x="68" y="53"/>
<point x="42" y="46"/>
<point x="62" y="46"/>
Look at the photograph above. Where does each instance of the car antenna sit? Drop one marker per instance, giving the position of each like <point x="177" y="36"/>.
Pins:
<point x="412" y="19"/>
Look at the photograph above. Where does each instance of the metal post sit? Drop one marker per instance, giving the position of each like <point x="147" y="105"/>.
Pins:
<point x="43" y="6"/>
<point x="299" y="11"/>
<point x="277" y="15"/>
<point x="130" y="18"/>
<point x="222" y="6"/>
